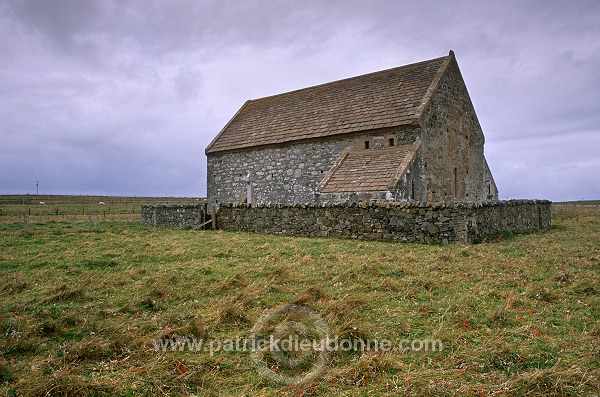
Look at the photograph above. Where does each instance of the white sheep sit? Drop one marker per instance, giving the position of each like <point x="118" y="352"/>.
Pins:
<point x="42" y="203"/>
<point x="101" y="203"/>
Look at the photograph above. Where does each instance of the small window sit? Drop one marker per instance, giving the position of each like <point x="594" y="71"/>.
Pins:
<point x="391" y="142"/>
<point x="366" y="144"/>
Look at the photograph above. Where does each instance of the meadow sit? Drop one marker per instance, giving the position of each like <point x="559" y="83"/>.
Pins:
<point x="82" y="306"/>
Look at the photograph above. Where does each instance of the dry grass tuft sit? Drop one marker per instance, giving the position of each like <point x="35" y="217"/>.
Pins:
<point x="344" y="309"/>
<point x="312" y="295"/>
<point x="549" y="383"/>
<point x="65" y="292"/>
<point x="64" y="383"/>
<point x="231" y="311"/>
<point x="364" y="369"/>
<point x="233" y="283"/>
<point x="95" y="349"/>
<point x="13" y="287"/>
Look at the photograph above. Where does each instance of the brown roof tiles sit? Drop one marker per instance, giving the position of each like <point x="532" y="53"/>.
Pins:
<point x="369" y="170"/>
<point x="388" y="98"/>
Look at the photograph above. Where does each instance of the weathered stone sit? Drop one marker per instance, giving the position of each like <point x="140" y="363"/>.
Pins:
<point x="175" y="215"/>
<point x="466" y="224"/>
<point x="432" y="229"/>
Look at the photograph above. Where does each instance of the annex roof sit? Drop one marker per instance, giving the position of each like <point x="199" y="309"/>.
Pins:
<point x="388" y="98"/>
<point x="369" y="170"/>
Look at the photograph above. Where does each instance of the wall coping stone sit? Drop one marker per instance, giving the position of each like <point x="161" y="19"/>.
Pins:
<point x="389" y="204"/>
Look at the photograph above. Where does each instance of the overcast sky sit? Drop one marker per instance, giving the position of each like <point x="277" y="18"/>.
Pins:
<point x="122" y="97"/>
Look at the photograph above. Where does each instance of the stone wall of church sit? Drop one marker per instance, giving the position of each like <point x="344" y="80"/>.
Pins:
<point x="286" y="174"/>
<point x="454" y="165"/>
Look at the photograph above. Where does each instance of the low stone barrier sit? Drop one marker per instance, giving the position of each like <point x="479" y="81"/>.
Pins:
<point x="191" y="216"/>
<point x="441" y="223"/>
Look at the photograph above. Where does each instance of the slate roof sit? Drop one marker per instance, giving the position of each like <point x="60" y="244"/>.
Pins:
<point x="388" y="98"/>
<point x="369" y="170"/>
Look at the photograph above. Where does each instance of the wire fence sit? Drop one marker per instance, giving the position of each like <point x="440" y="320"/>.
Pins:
<point x="56" y="208"/>
<point x="576" y="207"/>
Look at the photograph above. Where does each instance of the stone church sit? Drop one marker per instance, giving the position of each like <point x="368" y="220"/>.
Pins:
<point x="403" y="134"/>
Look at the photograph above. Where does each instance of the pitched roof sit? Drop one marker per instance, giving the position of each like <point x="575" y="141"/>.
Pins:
<point x="388" y="98"/>
<point x="369" y="170"/>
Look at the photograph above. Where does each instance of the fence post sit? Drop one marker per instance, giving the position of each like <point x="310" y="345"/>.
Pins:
<point x="26" y="222"/>
<point x="154" y="217"/>
<point x="214" y="216"/>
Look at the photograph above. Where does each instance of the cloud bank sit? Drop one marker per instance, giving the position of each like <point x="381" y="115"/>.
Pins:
<point x="121" y="98"/>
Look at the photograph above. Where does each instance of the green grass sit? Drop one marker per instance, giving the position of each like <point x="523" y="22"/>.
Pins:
<point x="517" y="314"/>
<point x="579" y="202"/>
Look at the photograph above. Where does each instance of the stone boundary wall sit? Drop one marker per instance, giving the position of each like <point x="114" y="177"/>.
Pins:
<point x="186" y="216"/>
<point x="510" y="215"/>
<point x="440" y="223"/>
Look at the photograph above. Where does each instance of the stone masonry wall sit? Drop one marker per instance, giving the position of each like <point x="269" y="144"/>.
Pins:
<point x="286" y="174"/>
<point x="453" y="145"/>
<point x="175" y="215"/>
<point x="508" y="215"/>
<point x="408" y="221"/>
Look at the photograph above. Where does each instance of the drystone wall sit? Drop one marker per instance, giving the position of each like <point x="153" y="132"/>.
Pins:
<point x="191" y="216"/>
<point x="484" y="220"/>
<point x="440" y="223"/>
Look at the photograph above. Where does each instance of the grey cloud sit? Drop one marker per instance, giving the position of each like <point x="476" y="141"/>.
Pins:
<point x="159" y="28"/>
<point x="122" y="97"/>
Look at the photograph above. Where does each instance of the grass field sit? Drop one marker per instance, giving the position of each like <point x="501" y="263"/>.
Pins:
<point x="80" y="309"/>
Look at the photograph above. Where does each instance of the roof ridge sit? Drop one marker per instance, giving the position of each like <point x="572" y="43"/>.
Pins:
<point x="210" y="145"/>
<point x="434" y="83"/>
<point x="387" y="98"/>
<point x="349" y="79"/>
